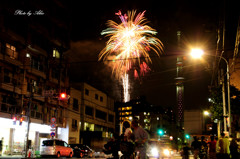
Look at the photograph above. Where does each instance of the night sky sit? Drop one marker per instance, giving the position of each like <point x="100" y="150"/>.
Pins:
<point x="197" y="21"/>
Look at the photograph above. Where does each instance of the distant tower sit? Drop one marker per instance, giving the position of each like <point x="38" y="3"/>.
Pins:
<point x="179" y="84"/>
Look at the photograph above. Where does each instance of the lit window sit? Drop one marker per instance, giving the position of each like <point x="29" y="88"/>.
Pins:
<point x="56" y="53"/>
<point x="11" y="51"/>
<point x="27" y="55"/>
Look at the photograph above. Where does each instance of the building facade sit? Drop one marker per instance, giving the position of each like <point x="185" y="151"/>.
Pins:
<point x="31" y="63"/>
<point x="97" y="116"/>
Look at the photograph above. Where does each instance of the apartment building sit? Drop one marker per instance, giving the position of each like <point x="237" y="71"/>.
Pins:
<point x="32" y="62"/>
<point x="97" y="116"/>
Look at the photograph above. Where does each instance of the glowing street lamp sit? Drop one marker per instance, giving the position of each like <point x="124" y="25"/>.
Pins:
<point x="206" y="113"/>
<point x="197" y="54"/>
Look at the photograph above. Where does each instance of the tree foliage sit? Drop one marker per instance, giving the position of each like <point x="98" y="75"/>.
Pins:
<point x="216" y="107"/>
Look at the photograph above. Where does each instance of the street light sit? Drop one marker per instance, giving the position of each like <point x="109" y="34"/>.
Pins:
<point x="206" y="113"/>
<point x="197" y="53"/>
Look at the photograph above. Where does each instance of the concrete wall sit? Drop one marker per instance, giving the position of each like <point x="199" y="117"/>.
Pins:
<point x="193" y="121"/>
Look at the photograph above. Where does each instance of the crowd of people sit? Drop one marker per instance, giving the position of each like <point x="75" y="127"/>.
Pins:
<point x="221" y="148"/>
<point x="132" y="143"/>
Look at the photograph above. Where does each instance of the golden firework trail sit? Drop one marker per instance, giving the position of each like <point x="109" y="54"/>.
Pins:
<point x="129" y="43"/>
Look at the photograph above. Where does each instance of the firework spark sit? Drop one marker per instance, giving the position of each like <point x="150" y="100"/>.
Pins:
<point x="130" y="43"/>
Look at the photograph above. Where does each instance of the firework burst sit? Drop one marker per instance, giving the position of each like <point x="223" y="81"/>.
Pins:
<point x="130" y="42"/>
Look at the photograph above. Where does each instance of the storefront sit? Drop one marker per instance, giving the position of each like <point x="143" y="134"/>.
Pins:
<point x="14" y="136"/>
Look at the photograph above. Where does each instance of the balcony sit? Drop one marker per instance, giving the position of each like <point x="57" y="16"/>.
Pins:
<point x="8" y="108"/>
<point x="37" y="72"/>
<point x="10" y="87"/>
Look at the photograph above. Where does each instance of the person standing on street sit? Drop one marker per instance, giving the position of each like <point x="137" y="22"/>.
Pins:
<point x="224" y="147"/>
<point x="212" y="148"/>
<point x="141" y="139"/>
<point x="196" y="146"/>
<point x="234" y="149"/>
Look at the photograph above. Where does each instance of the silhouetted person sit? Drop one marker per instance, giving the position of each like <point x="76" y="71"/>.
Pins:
<point x="234" y="149"/>
<point x="212" y="148"/>
<point x="224" y="147"/>
<point x="141" y="139"/>
<point x="195" y="146"/>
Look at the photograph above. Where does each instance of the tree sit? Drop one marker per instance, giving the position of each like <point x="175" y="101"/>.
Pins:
<point x="216" y="107"/>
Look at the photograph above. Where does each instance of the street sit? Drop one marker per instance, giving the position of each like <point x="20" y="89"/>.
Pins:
<point x="19" y="157"/>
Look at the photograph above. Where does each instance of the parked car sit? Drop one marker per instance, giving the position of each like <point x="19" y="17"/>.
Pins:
<point x="81" y="150"/>
<point x="55" y="147"/>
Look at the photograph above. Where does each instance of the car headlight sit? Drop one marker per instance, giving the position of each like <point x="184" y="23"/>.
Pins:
<point x="166" y="152"/>
<point x="154" y="152"/>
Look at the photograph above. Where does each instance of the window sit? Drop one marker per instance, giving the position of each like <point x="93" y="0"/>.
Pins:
<point x="86" y="92"/>
<point x="101" y="98"/>
<point x="56" y="53"/>
<point x="96" y="96"/>
<point x="47" y="143"/>
<point x="101" y="115"/>
<point x="110" y="118"/>
<point x="55" y="73"/>
<point x="89" y="110"/>
<point x="65" y="144"/>
<point x="59" y="143"/>
<point x="7" y="78"/>
<point x="36" y="63"/>
<point x="75" y="104"/>
<point x="11" y="51"/>
<point x="74" y="124"/>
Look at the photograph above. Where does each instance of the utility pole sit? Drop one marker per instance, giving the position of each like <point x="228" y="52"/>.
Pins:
<point x="28" y="118"/>
<point x="224" y="104"/>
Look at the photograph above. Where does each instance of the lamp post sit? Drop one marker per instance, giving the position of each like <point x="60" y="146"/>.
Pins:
<point x="197" y="53"/>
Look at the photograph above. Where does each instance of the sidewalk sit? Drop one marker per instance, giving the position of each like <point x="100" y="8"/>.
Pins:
<point x="14" y="157"/>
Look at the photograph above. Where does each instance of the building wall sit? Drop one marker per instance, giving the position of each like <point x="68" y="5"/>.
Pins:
<point x="96" y="107"/>
<point x="74" y="115"/>
<point x="235" y="74"/>
<point x="28" y="66"/>
<point x="193" y="122"/>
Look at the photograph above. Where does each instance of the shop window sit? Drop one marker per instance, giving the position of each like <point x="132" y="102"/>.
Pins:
<point x="88" y="126"/>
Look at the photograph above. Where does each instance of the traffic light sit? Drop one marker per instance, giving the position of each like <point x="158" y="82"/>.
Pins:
<point x="63" y="96"/>
<point x="187" y="136"/>
<point x="14" y="120"/>
<point x="160" y="132"/>
<point x="20" y="121"/>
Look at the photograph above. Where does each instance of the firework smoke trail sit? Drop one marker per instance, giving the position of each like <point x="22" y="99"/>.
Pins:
<point x="125" y="82"/>
<point x="129" y="43"/>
